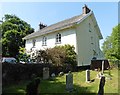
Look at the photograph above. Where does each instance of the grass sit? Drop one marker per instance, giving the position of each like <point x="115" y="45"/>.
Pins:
<point x="58" y="85"/>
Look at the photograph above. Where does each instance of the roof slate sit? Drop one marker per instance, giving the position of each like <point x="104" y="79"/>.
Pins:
<point x="57" y="26"/>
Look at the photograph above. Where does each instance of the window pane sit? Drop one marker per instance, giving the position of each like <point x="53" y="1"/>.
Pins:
<point x="58" y="38"/>
<point x="44" y="41"/>
<point x="34" y="41"/>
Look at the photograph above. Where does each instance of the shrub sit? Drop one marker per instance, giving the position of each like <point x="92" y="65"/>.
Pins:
<point x="22" y="56"/>
<point x="62" y="55"/>
<point x="59" y="55"/>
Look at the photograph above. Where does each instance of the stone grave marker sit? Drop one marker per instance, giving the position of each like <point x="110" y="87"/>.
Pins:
<point x="87" y="75"/>
<point x="102" y="66"/>
<point x="32" y="87"/>
<point x="101" y="86"/>
<point x="53" y="75"/>
<point x="69" y="81"/>
<point x="46" y="73"/>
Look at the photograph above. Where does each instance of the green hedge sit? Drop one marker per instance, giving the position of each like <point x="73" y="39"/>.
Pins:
<point x="13" y="73"/>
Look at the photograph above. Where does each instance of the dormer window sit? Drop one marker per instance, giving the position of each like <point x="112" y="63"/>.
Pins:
<point x="33" y="41"/>
<point x="58" y="38"/>
<point x="44" y="41"/>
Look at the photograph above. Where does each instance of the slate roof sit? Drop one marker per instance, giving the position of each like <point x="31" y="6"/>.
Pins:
<point x="58" y="26"/>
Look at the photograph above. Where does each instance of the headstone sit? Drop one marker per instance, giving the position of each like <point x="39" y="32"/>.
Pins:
<point x="61" y="73"/>
<point x="99" y="75"/>
<point x="102" y="66"/>
<point x="46" y="73"/>
<point x="69" y="81"/>
<point x="32" y="87"/>
<point x="53" y="75"/>
<point x="87" y="75"/>
<point x="101" y="86"/>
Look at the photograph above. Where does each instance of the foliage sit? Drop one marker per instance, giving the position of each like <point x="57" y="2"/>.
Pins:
<point x="59" y="55"/>
<point x="23" y="56"/>
<point x="13" y="30"/>
<point x="111" y="46"/>
<point x="41" y="56"/>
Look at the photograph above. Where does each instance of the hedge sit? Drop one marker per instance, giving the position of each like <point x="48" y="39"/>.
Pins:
<point x="13" y="73"/>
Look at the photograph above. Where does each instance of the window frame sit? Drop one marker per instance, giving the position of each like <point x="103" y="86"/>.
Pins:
<point x="90" y="27"/>
<point x="34" y="42"/>
<point x="44" y="41"/>
<point x="58" y="38"/>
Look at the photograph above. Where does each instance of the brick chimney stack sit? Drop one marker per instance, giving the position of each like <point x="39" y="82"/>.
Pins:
<point x="86" y="9"/>
<point x="41" y="26"/>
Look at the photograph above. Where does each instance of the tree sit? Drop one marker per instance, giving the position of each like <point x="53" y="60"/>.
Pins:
<point x="111" y="46"/>
<point x="13" y="30"/>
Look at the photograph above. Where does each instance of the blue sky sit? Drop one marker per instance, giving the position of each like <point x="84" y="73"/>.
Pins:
<point x="49" y="13"/>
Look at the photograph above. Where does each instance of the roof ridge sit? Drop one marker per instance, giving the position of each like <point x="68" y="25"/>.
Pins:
<point x="61" y="21"/>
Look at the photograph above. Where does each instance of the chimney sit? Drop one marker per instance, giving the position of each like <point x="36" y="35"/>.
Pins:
<point x="41" y="26"/>
<point x="86" y="9"/>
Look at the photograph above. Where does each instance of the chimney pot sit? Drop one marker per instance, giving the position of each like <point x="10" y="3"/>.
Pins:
<point x="86" y="9"/>
<point x="41" y="26"/>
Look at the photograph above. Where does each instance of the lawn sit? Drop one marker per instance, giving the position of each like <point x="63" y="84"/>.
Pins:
<point x="58" y="85"/>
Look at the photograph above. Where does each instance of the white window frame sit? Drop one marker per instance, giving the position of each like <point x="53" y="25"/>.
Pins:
<point x="44" y="41"/>
<point x="34" y="42"/>
<point x="58" y="38"/>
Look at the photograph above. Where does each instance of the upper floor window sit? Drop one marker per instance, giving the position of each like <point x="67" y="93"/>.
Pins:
<point x="33" y="41"/>
<point x="89" y="27"/>
<point x="44" y="41"/>
<point x="92" y="40"/>
<point x="58" y="38"/>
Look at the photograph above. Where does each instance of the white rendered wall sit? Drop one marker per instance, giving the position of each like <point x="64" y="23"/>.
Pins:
<point x="68" y="36"/>
<point x="85" y="45"/>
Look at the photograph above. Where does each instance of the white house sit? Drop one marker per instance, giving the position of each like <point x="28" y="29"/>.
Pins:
<point x="82" y="31"/>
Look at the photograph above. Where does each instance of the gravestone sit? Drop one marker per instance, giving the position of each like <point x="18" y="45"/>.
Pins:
<point x="61" y="73"/>
<point x="53" y="75"/>
<point x="32" y="87"/>
<point x="46" y="73"/>
<point x="102" y="66"/>
<point x="101" y="86"/>
<point x="87" y="75"/>
<point x="69" y="81"/>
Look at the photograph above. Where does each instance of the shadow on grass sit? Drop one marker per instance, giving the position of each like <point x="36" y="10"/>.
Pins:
<point x="54" y="87"/>
<point x="47" y="87"/>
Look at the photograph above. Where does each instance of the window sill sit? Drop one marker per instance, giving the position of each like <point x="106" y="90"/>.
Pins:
<point x="33" y="47"/>
<point x="44" y="45"/>
<point x="58" y="43"/>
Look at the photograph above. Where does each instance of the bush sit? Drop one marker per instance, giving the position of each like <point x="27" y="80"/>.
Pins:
<point x="22" y="56"/>
<point x="59" y="55"/>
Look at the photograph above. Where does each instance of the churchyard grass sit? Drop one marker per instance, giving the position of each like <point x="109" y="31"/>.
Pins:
<point x="58" y="84"/>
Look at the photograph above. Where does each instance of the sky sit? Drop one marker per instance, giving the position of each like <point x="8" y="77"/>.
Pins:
<point x="106" y="13"/>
